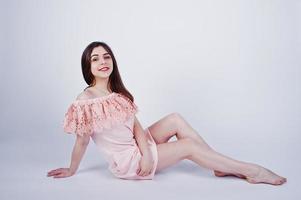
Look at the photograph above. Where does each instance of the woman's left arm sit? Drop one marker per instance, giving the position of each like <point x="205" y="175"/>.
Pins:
<point x="141" y="138"/>
<point x="146" y="162"/>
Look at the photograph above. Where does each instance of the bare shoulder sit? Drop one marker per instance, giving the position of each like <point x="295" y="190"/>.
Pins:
<point x="86" y="94"/>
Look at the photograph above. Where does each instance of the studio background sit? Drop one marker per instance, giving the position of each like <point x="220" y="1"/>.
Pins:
<point x="230" y="68"/>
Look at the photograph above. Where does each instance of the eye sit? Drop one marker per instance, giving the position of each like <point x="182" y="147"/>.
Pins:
<point x="107" y="57"/>
<point x="94" y="59"/>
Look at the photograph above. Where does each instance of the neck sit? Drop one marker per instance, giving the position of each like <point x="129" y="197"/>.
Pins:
<point x="102" y="84"/>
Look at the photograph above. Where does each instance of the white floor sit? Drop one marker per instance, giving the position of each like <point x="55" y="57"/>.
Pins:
<point x="24" y="165"/>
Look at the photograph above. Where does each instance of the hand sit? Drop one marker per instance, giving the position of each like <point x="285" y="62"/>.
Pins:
<point x="146" y="165"/>
<point x="60" y="173"/>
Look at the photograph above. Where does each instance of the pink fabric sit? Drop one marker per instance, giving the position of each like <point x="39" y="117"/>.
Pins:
<point x="109" y="120"/>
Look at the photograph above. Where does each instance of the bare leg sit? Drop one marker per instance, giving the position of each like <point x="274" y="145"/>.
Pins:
<point x="175" y="125"/>
<point x="191" y="146"/>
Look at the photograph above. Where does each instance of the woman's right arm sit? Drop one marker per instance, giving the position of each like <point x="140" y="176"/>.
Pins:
<point x="79" y="149"/>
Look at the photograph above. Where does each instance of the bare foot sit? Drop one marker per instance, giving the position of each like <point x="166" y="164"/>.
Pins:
<point x="222" y="174"/>
<point x="264" y="175"/>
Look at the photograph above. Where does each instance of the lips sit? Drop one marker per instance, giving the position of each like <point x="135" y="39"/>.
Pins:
<point x="105" y="68"/>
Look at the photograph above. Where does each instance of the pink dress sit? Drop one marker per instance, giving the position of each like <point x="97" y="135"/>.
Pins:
<point x="109" y="120"/>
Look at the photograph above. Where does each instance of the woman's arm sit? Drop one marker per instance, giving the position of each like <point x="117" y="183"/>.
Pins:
<point x="146" y="162"/>
<point x="140" y="137"/>
<point x="79" y="149"/>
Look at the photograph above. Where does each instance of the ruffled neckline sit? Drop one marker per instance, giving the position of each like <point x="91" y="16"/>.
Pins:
<point x="85" y="115"/>
<point x="95" y="99"/>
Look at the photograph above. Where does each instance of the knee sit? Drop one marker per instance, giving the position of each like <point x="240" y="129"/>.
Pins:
<point x="175" y="118"/>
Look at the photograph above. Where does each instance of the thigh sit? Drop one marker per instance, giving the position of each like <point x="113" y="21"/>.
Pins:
<point x="172" y="152"/>
<point x="163" y="129"/>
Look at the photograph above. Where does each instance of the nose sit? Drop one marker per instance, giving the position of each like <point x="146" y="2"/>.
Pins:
<point x="103" y="61"/>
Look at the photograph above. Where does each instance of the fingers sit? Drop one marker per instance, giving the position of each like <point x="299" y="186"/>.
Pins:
<point x="147" y="172"/>
<point x="138" y="171"/>
<point x="58" y="174"/>
<point x="52" y="172"/>
<point x="55" y="172"/>
<point x="143" y="172"/>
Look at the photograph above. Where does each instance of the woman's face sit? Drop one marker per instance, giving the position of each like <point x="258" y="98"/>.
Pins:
<point x="101" y="62"/>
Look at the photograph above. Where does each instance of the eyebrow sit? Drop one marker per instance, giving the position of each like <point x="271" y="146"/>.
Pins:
<point x="97" y="54"/>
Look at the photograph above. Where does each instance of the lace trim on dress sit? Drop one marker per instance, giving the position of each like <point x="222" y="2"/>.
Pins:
<point x="84" y="116"/>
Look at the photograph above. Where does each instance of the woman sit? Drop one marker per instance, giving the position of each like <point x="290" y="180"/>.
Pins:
<point x="105" y="111"/>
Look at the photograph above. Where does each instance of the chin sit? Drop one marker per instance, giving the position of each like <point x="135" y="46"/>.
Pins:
<point x="104" y="75"/>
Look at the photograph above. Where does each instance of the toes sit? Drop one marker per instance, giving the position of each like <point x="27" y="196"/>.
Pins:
<point x="283" y="180"/>
<point x="280" y="181"/>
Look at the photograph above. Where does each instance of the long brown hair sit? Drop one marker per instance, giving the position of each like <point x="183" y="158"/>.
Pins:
<point x="115" y="82"/>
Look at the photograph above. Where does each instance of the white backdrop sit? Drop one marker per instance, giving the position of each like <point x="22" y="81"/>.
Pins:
<point x="231" y="68"/>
